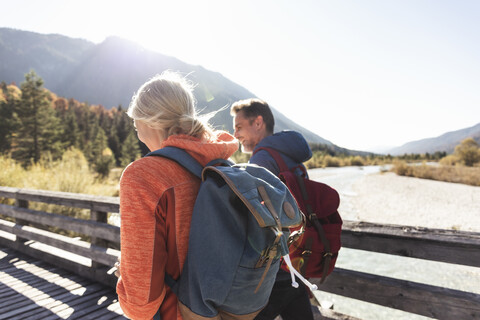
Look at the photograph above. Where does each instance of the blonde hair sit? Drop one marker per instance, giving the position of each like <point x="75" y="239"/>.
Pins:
<point x="166" y="103"/>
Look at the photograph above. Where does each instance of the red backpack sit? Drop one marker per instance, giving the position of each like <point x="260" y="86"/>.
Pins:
<point x="314" y="246"/>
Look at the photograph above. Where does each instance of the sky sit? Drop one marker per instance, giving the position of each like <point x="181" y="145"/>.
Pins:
<point x="366" y="75"/>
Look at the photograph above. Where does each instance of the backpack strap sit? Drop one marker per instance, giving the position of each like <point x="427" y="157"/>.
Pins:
<point x="172" y="283"/>
<point x="184" y="159"/>
<point x="181" y="157"/>
<point x="276" y="156"/>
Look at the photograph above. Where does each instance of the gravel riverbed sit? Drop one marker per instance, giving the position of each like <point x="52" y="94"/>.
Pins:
<point x="392" y="199"/>
<point x="373" y="195"/>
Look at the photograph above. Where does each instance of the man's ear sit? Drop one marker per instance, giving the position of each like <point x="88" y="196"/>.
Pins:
<point x="258" y="121"/>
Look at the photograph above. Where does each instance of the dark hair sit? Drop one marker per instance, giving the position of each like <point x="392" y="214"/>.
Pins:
<point x="253" y="108"/>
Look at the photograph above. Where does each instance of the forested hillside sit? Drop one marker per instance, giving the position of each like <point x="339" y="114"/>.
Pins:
<point x="36" y="124"/>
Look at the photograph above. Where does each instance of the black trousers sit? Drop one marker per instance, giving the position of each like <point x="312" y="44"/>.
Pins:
<point x="288" y="302"/>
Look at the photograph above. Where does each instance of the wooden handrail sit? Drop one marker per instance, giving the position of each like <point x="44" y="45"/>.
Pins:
<point x="451" y="246"/>
<point x="86" y="227"/>
<point x="74" y="200"/>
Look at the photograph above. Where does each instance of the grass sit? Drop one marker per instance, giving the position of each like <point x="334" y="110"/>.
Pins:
<point x="447" y="173"/>
<point x="70" y="174"/>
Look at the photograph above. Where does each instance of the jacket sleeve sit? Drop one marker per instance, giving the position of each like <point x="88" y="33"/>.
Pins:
<point x="141" y="289"/>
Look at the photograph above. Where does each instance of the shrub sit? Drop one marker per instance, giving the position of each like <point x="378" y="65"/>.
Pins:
<point x="357" y="161"/>
<point x="104" y="163"/>
<point x="329" y="161"/>
<point x="450" y="160"/>
<point x="400" y="167"/>
<point x="456" y="174"/>
<point x="316" y="161"/>
<point x="468" y="151"/>
<point x="74" y="173"/>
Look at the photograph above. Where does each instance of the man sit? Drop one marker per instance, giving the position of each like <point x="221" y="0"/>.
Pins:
<point x="253" y="126"/>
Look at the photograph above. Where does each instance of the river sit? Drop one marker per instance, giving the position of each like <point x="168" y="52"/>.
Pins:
<point x="348" y="181"/>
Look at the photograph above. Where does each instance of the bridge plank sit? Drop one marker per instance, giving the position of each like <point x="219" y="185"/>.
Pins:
<point x="44" y="291"/>
<point x="62" y="300"/>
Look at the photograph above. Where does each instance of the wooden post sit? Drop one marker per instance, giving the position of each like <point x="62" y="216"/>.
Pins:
<point x="21" y="204"/>
<point x="98" y="216"/>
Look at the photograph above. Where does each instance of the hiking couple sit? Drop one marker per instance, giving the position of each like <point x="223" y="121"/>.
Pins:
<point x="157" y="196"/>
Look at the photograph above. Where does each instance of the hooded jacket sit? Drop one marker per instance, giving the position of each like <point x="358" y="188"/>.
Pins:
<point x="157" y="196"/>
<point x="292" y="146"/>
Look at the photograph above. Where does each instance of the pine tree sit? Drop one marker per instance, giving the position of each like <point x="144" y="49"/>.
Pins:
<point x="128" y="145"/>
<point x="98" y="153"/>
<point x="40" y="130"/>
<point x="124" y="124"/>
<point x="88" y="124"/>
<point x="71" y="136"/>
<point x="114" y="144"/>
<point x="130" y="150"/>
<point x="9" y="99"/>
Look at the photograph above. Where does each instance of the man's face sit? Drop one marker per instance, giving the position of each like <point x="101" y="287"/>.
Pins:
<point x="249" y="131"/>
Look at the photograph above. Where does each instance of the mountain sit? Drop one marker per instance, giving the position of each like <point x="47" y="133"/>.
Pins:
<point x="51" y="56"/>
<point x="110" y="72"/>
<point x="445" y="142"/>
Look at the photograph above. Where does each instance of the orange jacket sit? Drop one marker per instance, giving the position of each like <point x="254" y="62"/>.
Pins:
<point x="156" y="203"/>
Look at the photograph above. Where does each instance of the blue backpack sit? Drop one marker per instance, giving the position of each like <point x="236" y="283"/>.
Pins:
<point x="239" y="232"/>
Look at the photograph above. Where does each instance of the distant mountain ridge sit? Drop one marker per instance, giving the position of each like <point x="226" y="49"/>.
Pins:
<point x="109" y="73"/>
<point x="51" y="56"/>
<point x="445" y="142"/>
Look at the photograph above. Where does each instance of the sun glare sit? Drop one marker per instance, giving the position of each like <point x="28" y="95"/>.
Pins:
<point x="162" y="26"/>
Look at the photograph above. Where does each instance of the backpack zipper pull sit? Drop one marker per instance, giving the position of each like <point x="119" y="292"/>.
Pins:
<point x="294" y="272"/>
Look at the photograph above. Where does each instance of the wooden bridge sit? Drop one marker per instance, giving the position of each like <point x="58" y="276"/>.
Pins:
<point x="54" y="265"/>
<point x="32" y="289"/>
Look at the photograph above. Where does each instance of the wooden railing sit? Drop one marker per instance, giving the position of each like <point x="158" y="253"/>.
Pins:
<point x="451" y="246"/>
<point x="92" y="259"/>
<point x="456" y="247"/>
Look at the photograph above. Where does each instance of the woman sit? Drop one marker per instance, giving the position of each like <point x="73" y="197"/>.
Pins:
<point x="157" y="195"/>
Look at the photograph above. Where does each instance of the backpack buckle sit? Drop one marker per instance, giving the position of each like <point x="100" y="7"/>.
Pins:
<point x="268" y="254"/>
<point x="307" y="253"/>
<point x="294" y="236"/>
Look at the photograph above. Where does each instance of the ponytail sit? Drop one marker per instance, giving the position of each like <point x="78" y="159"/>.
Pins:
<point x="166" y="102"/>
